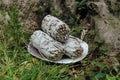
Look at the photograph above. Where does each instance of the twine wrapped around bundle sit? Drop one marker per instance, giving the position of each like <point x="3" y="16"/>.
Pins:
<point x="73" y="47"/>
<point x="55" y="28"/>
<point x="46" y="45"/>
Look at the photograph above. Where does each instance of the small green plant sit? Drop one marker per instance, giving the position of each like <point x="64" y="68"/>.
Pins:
<point x="99" y="76"/>
<point x="81" y="4"/>
<point x="56" y="13"/>
<point x="108" y="77"/>
<point x="39" y="8"/>
<point x="76" y="31"/>
<point x="99" y="40"/>
<point x="92" y="32"/>
<point x="72" y="20"/>
<point x="103" y="49"/>
<point x="13" y="22"/>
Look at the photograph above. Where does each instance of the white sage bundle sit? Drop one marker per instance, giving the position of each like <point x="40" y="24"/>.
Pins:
<point x="46" y="45"/>
<point x="73" y="47"/>
<point x="55" y="28"/>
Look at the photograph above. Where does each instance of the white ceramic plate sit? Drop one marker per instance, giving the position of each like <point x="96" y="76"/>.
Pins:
<point x="33" y="51"/>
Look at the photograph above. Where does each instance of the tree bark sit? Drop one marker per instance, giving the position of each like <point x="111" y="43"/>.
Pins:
<point x="105" y="14"/>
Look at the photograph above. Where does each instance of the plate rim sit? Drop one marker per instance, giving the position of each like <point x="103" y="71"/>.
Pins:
<point x="62" y="61"/>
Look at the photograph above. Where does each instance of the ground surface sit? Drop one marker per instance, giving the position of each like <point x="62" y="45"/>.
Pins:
<point x="17" y="64"/>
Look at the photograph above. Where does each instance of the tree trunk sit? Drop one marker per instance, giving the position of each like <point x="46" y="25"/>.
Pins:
<point x="105" y="15"/>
